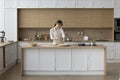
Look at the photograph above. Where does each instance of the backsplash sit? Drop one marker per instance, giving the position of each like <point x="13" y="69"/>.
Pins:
<point x="74" y="34"/>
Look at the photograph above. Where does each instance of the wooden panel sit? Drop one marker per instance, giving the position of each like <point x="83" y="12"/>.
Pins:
<point x="28" y="18"/>
<point x="60" y="14"/>
<point x="47" y="18"/>
<point x="72" y="18"/>
<point x="107" y="18"/>
<point x="83" y="18"/>
<point x="96" y="18"/>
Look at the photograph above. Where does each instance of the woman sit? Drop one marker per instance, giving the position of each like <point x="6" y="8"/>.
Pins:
<point x="57" y="33"/>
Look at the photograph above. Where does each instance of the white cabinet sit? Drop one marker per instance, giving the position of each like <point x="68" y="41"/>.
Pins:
<point x="31" y="59"/>
<point x="116" y="4"/>
<point x="1" y="19"/>
<point x="1" y="4"/>
<point x="10" y="3"/>
<point x="83" y="3"/>
<point x="79" y="59"/>
<point x="102" y="3"/>
<point x="65" y="4"/>
<point x="116" y="50"/>
<point x="109" y="50"/>
<point x="96" y="59"/>
<point x="10" y="54"/>
<point x="27" y="3"/>
<point x="1" y="58"/>
<point x="116" y="8"/>
<point x="63" y="59"/>
<point x="20" y="45"/>
<point x="11" y="24"/>
<point x="46" y="4"/>
<point x="117" y="13"/>
<point x="47" y="59"/>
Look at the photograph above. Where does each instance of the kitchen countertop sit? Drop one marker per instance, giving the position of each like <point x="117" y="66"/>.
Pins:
<point x="70" y="46"/>
<point x="6" y="43"/>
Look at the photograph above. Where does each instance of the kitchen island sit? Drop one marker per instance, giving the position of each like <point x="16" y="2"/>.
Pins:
<point x="69" y="60"/>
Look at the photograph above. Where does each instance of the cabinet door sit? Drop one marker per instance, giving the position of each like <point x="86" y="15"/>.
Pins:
<point x="83" y="3"/>
<point x="20" y="45"/>
<point x="10" y="3"/>
<point x="47" y="59"/>
<point x="1" y="19"/>
<point x="31" y="59"/>
<point x="116" y="4"/>
<point x="116" y="50"/>
<point x="63" y="59"/>
<point x="27" y="3"/>
<point x="65" y="4"/>
<point x="96" y="59"/>
<point x="1" y="4"/>
<point x="46" y="4"/>
<point x="11" y="24"/>
<point x="110" y="48"/>
<point x="102" y="3"/>
<point x="1" y="59"/>
<point x="79" y="59"/>
<point x="8" y="55"/>
<point x="117" y="13"/>
<point x="13" y="51"/>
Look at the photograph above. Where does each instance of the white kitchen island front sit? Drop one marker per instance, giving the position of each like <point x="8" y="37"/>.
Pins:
<point x="71" y="60"/>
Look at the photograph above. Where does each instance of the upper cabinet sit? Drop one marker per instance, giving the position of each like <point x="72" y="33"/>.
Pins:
<point x="102" y="3"/>
<point x="1" y="4"/>
<point x="116" y="8"/>
<point x="10" y="3"/>
<point x="116" y="4"/>
<point x="83" y="3"/>
<point x="46" y="4"/>
<point x="11" y="24"/>
<point x="1" y="19"/>
<point x="65" y="3"/>
<point x="117" y="13"/>
<point x="27" y="3"/>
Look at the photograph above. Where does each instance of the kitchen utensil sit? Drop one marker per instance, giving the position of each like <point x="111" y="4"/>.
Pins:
<point x="85" y="38"/>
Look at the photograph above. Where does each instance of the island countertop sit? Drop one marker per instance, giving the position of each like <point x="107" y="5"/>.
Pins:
<point x="70" y="46"/>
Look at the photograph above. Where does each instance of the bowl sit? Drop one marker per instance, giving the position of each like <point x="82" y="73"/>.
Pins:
<point x="33" y="44"/>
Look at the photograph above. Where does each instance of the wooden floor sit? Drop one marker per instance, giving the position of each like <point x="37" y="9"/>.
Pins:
<point x="113" y="73"/>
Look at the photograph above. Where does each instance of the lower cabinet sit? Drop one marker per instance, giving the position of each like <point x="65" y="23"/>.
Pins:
<point x="63" y="59"/>
<point x="10" y="54"/>
<point x="1" y="58"/>
<point x="117" y="51"/>
<point x="47" y="59"/>
<point x="31" y="59"/>
<point x="79" y="59"/>
<point x="96" y="59"/>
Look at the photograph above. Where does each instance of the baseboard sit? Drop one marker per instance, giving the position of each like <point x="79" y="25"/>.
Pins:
<point x="63" y="73"/>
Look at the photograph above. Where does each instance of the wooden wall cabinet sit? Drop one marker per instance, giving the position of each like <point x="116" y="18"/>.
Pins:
<point x="72" y="18"/>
